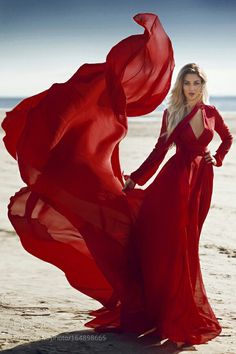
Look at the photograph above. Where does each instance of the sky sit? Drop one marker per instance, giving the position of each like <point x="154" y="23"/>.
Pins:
<point x="45" y="41"/>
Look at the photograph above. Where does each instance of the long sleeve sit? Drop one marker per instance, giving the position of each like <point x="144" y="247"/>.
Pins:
<point x="155" y="158"/>
<point x="222" y="129"/>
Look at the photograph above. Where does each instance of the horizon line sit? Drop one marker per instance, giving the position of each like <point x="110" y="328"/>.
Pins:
<point x="23" y="97"/>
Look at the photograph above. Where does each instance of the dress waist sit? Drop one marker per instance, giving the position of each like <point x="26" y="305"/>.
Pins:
<point x="192" y="151"/>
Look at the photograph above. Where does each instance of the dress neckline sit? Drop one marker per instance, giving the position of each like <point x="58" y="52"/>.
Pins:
<point x="184" y="122"/>
<point x="198" y="105"/>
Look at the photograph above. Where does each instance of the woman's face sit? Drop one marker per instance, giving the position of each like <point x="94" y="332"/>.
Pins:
<point x="192" y="87"/>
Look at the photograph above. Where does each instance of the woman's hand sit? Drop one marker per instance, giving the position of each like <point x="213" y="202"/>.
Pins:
<point x="209" y="158"/>
<point x="129" y="184"/>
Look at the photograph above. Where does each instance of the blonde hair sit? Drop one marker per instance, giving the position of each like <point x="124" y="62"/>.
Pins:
<point x="177" y="102"/>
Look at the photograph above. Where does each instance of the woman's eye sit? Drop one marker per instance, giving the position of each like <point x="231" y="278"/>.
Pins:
<point x="195" y="83"/>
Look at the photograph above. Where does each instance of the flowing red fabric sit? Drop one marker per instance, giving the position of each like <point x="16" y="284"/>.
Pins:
<point x="73" y="213"/>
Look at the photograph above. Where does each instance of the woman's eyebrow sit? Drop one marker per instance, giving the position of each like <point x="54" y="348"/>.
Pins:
<point x="194" y="81"/>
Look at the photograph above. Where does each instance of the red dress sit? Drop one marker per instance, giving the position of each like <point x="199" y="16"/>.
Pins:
<point x="164" y="287"/>
<point x="73" y="213"/>
<point x="167" y="231"/>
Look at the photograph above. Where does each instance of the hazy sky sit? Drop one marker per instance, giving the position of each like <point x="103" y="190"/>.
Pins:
<point x="45" y="41"/>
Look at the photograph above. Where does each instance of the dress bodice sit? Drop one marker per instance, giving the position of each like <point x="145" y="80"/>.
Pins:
<point x="187" y="141"/>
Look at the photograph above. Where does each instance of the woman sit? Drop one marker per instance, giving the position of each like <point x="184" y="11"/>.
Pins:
<point x="73" y="212"/>
<point x="175" y="206"/>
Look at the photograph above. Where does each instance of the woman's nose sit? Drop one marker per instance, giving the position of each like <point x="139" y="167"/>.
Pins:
<point x="192" y="89"/>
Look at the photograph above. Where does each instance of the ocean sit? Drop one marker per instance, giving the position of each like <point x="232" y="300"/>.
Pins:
<point x="223" y="103"/>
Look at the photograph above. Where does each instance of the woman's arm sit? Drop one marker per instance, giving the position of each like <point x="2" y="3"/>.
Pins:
<point x="155" y="158"/>
<point x="222" y="129"/>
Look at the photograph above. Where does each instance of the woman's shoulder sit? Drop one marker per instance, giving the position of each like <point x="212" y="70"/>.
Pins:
<point x="210" y="108"/>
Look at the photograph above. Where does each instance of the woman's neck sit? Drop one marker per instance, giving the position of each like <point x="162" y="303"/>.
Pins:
<point x="190" y="105"/>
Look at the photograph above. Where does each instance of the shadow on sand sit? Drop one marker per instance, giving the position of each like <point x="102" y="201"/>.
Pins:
<point x="83" y="342"/>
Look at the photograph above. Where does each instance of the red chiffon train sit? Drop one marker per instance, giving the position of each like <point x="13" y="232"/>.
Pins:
<point x="72" y="212"/>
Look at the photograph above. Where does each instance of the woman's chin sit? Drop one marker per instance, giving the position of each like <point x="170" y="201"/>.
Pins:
<point x="192" y="98"/>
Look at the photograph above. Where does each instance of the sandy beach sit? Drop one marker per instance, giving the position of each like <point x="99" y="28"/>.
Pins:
<point x="42" y="313"/>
